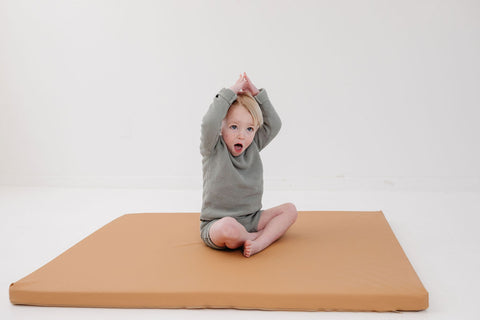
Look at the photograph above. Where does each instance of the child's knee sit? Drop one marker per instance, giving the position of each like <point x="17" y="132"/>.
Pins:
<point x="228" y="228"/>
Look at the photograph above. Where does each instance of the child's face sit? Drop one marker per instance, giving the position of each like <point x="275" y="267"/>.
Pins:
<point x="238" y="129"/>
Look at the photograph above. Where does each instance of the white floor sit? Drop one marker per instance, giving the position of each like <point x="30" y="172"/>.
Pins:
<point x="437" y="230"/>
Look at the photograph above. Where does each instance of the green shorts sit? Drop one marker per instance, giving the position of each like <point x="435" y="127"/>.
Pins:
<point x="249" y="221"/>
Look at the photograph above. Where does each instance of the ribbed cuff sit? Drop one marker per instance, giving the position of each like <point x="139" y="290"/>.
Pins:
<point x="262" y="96"/>
<point x="228" y="95"/>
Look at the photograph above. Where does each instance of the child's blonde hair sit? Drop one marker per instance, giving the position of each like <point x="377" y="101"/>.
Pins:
<point x="248" y="101"/>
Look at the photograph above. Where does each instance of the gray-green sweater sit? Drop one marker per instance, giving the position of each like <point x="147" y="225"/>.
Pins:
<point x="233" y="186"/>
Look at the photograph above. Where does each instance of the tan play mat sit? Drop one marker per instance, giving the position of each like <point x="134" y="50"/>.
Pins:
<point x="326" y="261"/>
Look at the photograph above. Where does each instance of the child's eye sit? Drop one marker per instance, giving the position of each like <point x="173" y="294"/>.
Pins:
<point x="233" y="127"/>
<point x="250" y="129"/>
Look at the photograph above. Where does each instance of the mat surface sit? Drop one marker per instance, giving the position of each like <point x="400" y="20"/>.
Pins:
<point x="326" y="261"/>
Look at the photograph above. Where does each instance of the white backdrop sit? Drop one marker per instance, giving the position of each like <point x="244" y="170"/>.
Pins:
<point x="371" y="93"/>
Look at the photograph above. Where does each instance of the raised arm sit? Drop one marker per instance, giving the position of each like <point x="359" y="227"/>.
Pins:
<point x="271" y="121"/>
<point x="212" y="121"/>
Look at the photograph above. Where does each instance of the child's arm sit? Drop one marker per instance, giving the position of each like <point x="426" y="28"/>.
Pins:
<point x="271" y="121"/>
<point x="212" y="121"/>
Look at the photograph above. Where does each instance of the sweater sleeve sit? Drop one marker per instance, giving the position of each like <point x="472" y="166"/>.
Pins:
<point x="271" y="121"/>
<point x="212" y="121"/>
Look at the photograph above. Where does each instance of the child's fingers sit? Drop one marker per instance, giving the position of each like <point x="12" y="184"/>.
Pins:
<point x="248" y="80"/>
<point x="248" y="83"/>
<point x="251" y="87"/>
<point x="240" y="80"/>
<point x="242" y="83"/>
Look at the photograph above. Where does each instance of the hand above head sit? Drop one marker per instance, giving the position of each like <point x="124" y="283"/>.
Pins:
<point x="244" y="84"/>
<point x="239" y="85"/>
<point x="249" y="86"/>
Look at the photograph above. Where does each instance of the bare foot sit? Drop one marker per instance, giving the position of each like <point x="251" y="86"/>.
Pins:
<point x="250" y="248"/>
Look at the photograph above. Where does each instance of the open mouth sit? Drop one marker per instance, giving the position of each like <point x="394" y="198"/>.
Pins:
<point x="238" y="147"/>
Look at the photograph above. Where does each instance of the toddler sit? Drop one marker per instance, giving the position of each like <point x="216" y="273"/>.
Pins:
<point x="240" y="122"/>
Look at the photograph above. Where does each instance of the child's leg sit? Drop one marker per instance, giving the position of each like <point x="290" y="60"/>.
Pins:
<point x="228" y="232"/>
<point x="273" y="224"/>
